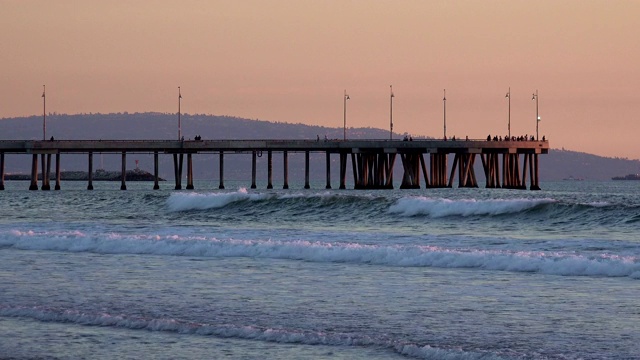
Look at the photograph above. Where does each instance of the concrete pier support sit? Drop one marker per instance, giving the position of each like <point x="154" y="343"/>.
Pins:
<point x="57" y="186"/>
<point x="411" y="166"/>
<point x="269" y="169"/>
<point x="1" y="171"/>
<point x="466" y="173"/>
<point x="177" y="170"/>
<point x="372" y="170"/>
<point x="46" y="171"/>
<point x="285" y="159"/>
<point x="490" y="164"/>
<point x="156" y="185"/>
<point x="328" y="186"/>
<point x="306" y="170"/>
<point x="34" y="172"/>
<point x="123" y="184"/>
<point x="425" y="174"/>
<point x="343" y="170"/>
<point x="523" y="184"/>
<point x="533" y="169"/>
<point x="253" y="169"/>
<point x="189" y="172"/>
<point x="221" y="185"/>
<point x="438" y="170"/>
<point x="511" y="171"/>
<point x="90" y="172"/>
<point x="391" y="161"/>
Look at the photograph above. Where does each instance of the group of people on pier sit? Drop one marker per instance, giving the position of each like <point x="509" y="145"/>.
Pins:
<point x="513" y="138"/>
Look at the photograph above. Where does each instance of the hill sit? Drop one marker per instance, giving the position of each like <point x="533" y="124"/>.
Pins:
<point x="557" y="165"/>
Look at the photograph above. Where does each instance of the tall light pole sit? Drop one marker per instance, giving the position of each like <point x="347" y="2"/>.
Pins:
<point x="391" y="113"/>
<point x="44" y="113"/>
<point x="444" y="104"/>
<point x="179" y="124"/>
<point x="509" y="124"/>
<point x="535" y="97"/>
<point x="346" y="97"/>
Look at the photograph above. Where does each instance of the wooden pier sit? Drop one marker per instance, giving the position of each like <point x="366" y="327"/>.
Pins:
<point x="372" y="161"/>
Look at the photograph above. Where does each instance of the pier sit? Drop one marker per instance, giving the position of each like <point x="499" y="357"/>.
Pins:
<point x="424" y="162"/>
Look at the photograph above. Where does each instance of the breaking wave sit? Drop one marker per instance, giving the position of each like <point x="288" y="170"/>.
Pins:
<point x="545" y="262"/>
<point x="413" y="206"/>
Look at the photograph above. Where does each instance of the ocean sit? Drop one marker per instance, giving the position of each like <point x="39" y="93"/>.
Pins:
<point x="320" y="274"/>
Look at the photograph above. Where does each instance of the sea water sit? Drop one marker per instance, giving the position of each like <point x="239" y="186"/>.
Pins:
<point x="320" y="274"/>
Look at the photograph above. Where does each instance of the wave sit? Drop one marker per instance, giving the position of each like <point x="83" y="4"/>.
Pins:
<point x="204" y="201"/>
<point x="552" y="263"/>
<point x="247" y="332"/>
<point x="197" y="201"/>
<point x="413" y="206"/>
<point x="320" y="207"/>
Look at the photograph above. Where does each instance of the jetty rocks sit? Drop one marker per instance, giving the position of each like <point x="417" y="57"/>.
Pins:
<point x="98" y="175"/>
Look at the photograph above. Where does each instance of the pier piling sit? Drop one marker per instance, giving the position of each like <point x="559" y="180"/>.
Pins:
<point x="90" y="172"/>
<point x="221" y="185"/>
<point x="123" y="185"/>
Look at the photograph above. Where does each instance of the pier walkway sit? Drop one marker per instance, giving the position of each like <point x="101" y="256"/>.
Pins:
<point x="372" y="161"/>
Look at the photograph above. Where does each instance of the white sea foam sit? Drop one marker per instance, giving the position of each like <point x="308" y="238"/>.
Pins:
<point x="412" y="206"/>
<point x="554" y="263"/>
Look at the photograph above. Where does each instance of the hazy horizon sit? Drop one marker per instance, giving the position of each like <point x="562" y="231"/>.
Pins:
<point x="291" y="61"/>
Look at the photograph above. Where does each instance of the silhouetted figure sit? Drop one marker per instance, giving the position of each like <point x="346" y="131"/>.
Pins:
<point x="51" y="139"/>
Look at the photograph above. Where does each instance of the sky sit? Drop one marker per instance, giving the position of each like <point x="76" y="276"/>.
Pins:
<point x="291" y="61"/>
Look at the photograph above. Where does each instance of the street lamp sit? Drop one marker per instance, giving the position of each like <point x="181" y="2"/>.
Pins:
<point x="444" y="104"/>
<point x="179" y="125"/>
<point x="535" y="97"/>
<point x="391" y="113"/>
<point x="509" y="124"/>
<point x="44" y="113"/>
<point x="346" y="97"/>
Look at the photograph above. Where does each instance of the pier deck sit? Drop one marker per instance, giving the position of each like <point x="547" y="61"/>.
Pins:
<point x="372" y="161"/>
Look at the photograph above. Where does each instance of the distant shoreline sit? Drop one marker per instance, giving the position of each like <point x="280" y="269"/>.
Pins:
<point x="98" y="175"/>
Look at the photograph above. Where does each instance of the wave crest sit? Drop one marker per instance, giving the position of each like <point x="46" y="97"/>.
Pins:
<point x="414" y="206"/>
<point x="552" y="263"/>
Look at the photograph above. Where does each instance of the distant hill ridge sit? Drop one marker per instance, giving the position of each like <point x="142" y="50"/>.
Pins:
<point x="557" y="165"/>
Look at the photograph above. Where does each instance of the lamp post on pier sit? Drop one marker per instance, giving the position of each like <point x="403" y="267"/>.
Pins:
<point x="509" y="118"/>
<point x="535" y="97"/>
<point x="444" y="104"/>
<point x="391" y="113"/>
<point x="346" y="97"/>
<point x="44" y="113"/>
<point x="179" y="124"/>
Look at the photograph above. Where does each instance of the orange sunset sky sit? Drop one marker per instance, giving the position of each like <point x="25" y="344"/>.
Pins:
<point x="291" y="61"/>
